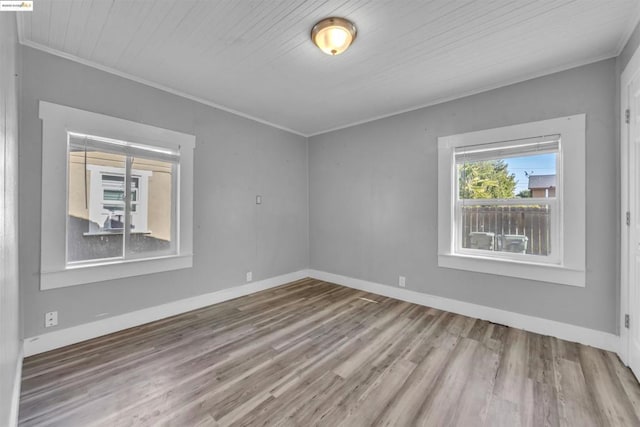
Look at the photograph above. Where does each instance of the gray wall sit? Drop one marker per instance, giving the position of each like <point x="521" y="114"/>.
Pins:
<point x="10" y="342"/>
<point x="235" y="159"/>
<point x="373" y="197"/>
<point x="629" y="49"/>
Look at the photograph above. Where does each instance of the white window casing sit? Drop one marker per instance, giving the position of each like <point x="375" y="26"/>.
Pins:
<point x="566" y="262"/>
<point x="58" y="122"/>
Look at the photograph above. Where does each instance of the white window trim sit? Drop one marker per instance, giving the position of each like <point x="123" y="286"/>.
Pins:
<point x="57" y="120"/>
<point x="570" y="269"/>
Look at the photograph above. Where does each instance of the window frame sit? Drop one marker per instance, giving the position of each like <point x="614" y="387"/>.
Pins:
<point x="57" y="122"/>
<point x="556" y="216"/>
<point x="569" y="266"/>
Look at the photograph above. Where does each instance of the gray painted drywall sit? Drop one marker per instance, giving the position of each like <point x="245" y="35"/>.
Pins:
<point x="10" y="330"/>
<point x="235" y="159"/>
<point x="373" y="197"/>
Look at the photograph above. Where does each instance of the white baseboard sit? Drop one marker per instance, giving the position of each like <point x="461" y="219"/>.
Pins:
<point x="75" y="334"/>
<point x="15" y="393"/>
<point x="565" y="331"/>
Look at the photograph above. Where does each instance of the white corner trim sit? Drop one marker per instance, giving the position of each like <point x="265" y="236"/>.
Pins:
<point x="20" y="27"/>
<point x="628" y="31"/>
<point x="565" y="331"/>
<point x="75" y="334"/>
<point x="626" y="76"/>
<point x="15" y="393"/>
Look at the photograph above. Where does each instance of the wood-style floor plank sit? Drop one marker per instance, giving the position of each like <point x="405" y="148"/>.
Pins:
<point x="314" y="353"/>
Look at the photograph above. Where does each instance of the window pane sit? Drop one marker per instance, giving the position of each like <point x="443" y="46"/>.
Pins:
<point x="94" y="228"/>
<point x="113" y="195"/>
<point x="506" y="178"/>
<point x="112" y="179"/>
<point x="519" y="229"/>
<point x="152" y="208"/>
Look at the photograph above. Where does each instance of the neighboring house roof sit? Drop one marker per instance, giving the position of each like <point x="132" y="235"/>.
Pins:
<point x="542" y="181"/>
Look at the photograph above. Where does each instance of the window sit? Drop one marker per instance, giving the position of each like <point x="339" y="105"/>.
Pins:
<point x="107" y="202"/>
<point x="98" y="204"/>
<point x="510" y="204"/>
<point x="127" y="209"/>
<point x="495" y="215"/>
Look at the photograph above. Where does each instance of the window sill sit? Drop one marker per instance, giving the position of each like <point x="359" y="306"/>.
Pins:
<point x="91" y="273"/>
<point x="513" y="268"/>
<point x="112" y="233"/>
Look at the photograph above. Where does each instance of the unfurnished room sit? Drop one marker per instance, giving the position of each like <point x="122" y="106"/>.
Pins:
<point x="320" y="213"/>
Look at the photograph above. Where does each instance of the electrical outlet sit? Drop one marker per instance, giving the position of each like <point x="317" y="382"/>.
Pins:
<point x="402" y="281"/>
<point x="51" y="319"/>
<point x="249" y="276"/>
<point x="258" y="200"/>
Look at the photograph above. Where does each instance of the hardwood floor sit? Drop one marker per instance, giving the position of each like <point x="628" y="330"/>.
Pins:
<point x="314" y="353"/>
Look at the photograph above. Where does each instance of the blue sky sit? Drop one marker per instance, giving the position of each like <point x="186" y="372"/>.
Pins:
<point x="542" y="164"/>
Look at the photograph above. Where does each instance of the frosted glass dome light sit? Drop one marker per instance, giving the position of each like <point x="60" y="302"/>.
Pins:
<point x="333" y="35"/>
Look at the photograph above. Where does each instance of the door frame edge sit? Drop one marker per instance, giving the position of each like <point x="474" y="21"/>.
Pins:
<point x="631" y="70"/>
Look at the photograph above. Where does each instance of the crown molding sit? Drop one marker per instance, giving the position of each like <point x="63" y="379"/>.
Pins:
<point x="146" y="82"/>
<point x="626" y="34"/>
<point x="465" y="94"/>
<point x="623" y="41"/>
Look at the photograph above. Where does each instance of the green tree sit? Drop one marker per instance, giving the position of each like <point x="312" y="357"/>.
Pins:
<point x="524" y="194"/>
<point x="486" y="180"/>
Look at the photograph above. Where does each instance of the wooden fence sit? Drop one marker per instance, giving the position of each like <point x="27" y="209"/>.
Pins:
<point x="531" y="221"/>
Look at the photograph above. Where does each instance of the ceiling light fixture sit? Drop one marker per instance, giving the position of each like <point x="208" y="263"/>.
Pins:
<point x="333" y="35"/>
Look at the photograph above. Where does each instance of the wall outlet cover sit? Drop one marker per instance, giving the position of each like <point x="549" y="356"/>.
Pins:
<point x="50" y="319"/>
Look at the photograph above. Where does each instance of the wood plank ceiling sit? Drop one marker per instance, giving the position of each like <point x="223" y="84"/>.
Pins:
<point x="256" y="57"/>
